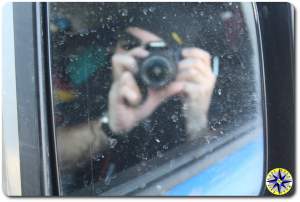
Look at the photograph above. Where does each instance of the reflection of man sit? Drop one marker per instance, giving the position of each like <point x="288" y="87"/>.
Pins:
<point x="193" y="85"/>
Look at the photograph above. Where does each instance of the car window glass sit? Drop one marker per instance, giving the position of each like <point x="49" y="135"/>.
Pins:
<point x="92" y="99"/>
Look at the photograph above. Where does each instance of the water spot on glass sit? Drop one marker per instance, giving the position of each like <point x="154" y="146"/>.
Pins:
<point x="152" y="9"/>
<point x="142" y="156"/>
<point x="109" y="18"/>
<point x="159" y="154"/>
<point x="185" y="107"/>
<point x="98" y="157"/>
<point x="112" y="142"/>
<point x="83" y="33"/>
<point x="174" y="118"/>
<point x="219" y="91"/>
<point x="131" y="19"/>
<point x="145" y="11"/>
<point x="229" y="56"/>
<point x="213" y="128"/>
<point x="124" y="12"/>
<point x="226" y="15"/>
<point x="158" y="187"/>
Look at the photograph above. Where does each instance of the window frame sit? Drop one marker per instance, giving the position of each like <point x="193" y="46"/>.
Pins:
<point x="36" y="138"/>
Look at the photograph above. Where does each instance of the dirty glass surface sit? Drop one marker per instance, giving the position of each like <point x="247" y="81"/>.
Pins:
<point x="85" y="37"/>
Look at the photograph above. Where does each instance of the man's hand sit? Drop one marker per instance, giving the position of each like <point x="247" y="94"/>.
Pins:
<point x="198" y="80"/>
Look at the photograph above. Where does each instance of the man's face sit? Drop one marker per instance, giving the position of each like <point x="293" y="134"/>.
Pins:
<point x="143" y="36"/>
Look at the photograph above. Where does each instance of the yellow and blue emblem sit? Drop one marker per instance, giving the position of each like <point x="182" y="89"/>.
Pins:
<point x="279" y="181"/>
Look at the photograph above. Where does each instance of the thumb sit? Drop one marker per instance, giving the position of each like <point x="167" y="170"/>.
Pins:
<point x="170" y="90"/>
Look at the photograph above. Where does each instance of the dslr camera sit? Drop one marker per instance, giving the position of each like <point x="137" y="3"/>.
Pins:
<point x="160" y="67"/>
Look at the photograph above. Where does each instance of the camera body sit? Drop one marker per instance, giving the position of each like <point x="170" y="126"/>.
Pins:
<point x="160" y="67"/>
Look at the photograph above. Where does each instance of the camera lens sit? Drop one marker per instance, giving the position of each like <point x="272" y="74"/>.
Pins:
<point x="157" y="71"/>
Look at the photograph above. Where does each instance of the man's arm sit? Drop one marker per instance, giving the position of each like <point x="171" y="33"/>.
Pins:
<point x="196" y="120"/>
<point x="199" y="81"/>
<point x="78" y="142"/>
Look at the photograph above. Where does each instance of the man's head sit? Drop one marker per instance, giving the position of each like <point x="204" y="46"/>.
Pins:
<point x="142" y="35"/>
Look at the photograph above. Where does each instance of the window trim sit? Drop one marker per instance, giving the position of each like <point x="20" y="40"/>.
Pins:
<point x="32" y="108"/>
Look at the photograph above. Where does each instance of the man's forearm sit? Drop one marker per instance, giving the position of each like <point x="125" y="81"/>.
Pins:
<point x="80" y="141"/>
<point x="196" y="121"/>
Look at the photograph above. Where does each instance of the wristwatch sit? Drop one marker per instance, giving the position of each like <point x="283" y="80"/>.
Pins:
<point x="104" y="121"/>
